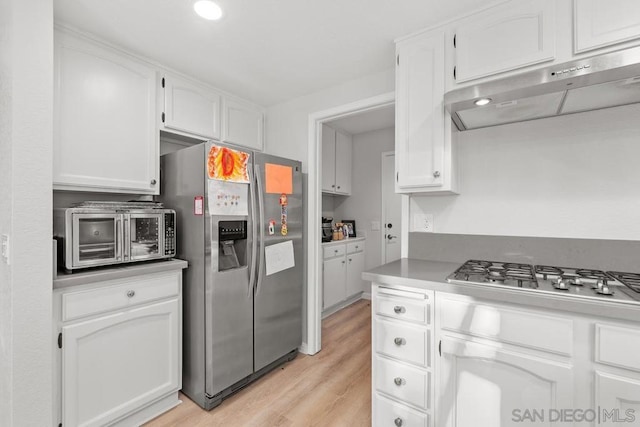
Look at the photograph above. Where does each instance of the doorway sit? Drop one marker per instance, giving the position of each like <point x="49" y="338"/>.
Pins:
<point x="391" y="238"/>
<point x="312" y="343"/>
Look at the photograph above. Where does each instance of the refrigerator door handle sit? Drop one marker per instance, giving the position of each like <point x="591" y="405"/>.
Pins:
<point x="254" y="240"/>
<point x="261" y="221"/>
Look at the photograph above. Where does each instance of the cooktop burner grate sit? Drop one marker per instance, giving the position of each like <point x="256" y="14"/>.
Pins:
<point x="631" y="280"/>
<point x="504" y="273"/>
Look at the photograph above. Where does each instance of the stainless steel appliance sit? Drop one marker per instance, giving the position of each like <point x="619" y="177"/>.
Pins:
<point x="95" y="234"/>
<point x="327" y="229"/>
<point x="242" y="237"/>
<point x="603" y="81"/>
<point x="572" y="282"/>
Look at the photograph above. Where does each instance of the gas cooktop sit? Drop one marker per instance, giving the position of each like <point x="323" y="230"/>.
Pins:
<point x="575" y="282"/>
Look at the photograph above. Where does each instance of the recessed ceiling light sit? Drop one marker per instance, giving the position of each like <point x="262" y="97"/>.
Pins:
<point x="482" y="101"/>
<point x="208" y="10"/>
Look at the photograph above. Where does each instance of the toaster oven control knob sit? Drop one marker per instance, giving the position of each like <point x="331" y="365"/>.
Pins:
<point x="131" y="293"/>
<point x="154" y="182"/>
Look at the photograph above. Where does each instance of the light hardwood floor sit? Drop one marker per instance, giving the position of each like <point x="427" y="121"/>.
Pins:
<point x="331" y="388"/>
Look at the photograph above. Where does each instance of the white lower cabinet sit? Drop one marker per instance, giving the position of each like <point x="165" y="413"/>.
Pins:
<point x="456" y="361"/>
<point x="402" y="390"/>
<point x="343" y="264"/>
<point x="120" y="350"/>
<point x="485" y="386"/>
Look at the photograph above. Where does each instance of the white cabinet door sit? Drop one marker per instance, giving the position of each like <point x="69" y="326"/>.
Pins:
<point x="355" y="267"/>
<point x="334" y="281"/>
<point x="115" y="364"/>
<point x="328" y="159"/>
<point x="618" y="396"/>
<point x="484" y="386"/>
<point x="600" y="23"/>
<point x="509" y="36"/>
<point x="242" y="124"/>
<point x="424" y="160"/>
<point x="344" y="148"/>
<point x="105" y="134"/>
<point x="191" y="108"/>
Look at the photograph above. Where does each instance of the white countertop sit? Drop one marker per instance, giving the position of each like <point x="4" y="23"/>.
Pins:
<point x="432" y="275"/>
<point x="348" y="240"/>
<point x="83" y="277"/>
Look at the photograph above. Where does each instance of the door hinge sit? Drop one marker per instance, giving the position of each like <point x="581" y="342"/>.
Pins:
<point x="454" y="42"/>
<point x="163" y="77"/>
<point x="60" y="425"/>
<point x="162" y="117"/>
<point x="397" y="176"/>
<point x="398" y="59"/>
<point x="440" y="348"/>
<point x="454" y="73"/>
<point x="60" y="340"/>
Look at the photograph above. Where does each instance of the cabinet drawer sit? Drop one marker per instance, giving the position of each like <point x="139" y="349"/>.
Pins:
<point x="333" y="251"/>
<point x="118" y="295"/>
<point x="618" y="346"/>
<point x="414" y="310"/>
<point x="392" y="414"/>
<point x="539" y="331"/>
<point x="355" y="247"/>
<point x="403" y="382"/>
<point x="403" y="341"/>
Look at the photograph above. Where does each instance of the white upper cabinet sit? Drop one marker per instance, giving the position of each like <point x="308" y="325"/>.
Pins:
<point x="337" y="148"/>
<point x="242" y="123"/>
<point x="600" y="23"/>
<point x="105" y="135"/>
<point x="190" y="108"/>
<point x="424" y="157"/>
<point x="509" y="36"/>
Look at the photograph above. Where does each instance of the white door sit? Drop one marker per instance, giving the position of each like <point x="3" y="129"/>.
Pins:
<point x="391" y="210"/>
<point x="117" y="363"/>
<point x="486" y="386"/>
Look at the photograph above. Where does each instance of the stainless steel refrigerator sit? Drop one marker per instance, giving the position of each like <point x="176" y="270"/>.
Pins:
<point x="239" y="225"/>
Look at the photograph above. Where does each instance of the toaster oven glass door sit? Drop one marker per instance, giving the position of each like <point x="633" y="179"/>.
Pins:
<point x="96" y="239"/>
<point x="143" y="234"/>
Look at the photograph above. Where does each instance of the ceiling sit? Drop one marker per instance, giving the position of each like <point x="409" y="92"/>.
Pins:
<point x="267" y="51"/>
<point x="380" y="118"/>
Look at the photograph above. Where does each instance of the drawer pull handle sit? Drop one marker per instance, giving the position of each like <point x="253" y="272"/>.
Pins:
<point x="399" y="309"/>
<point x="399" y="341"/>
<point x="130" y="294"/>
<point x="399" y="381"/>
<point x="398" y="422"/>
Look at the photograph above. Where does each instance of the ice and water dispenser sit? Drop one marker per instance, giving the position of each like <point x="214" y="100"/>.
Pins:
<point x="232" y="238"/>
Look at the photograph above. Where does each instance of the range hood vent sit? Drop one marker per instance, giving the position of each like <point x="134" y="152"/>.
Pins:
<point x="603" y="81"/>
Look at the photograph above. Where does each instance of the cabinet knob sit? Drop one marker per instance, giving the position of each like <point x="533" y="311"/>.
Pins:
<point x="335" y="251"/>
<point x="154" y="182"/>
<point x="333" y="186"/>
<point x="130" y="294"/>
<point x="399" y="381"/>
<point x="399" y="341"/>
<point x="350" y="260"/>
<point x="398" y="422"/>
<point x="399" y="309"/>
<point x="338" y="187"/>
<point x="343" y="262"/>
<point x="436" y="174"/>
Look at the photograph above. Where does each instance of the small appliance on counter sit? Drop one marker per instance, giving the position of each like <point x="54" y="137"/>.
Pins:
<point x="93" y="234"/>
<point x="327" y="229"/>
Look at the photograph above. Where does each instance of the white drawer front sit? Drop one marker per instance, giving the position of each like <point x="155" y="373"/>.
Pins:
<point x="618" y="346"/>
<point x="403" y="341"/>
<point x="403" y="382"/>
<point x="392" y="414"/>
<point x="403" y="308"/>
<point x="119" y="295"/>
<point x="537" y="331"/>
<point x="355" y="247"/>
<point x="333" y="251"/>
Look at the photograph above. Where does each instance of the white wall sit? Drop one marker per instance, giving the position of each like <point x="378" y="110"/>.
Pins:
<point x="576" y="176"/>
<point x="26" y="115"/>
<point x="365" y="203"/>
<point x="287" y="124"/>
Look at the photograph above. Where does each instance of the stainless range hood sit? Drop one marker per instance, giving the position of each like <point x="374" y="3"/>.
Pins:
<point x="603" y="81"/>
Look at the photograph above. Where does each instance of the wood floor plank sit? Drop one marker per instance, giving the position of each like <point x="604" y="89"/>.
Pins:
<point x="331" y="388"/>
